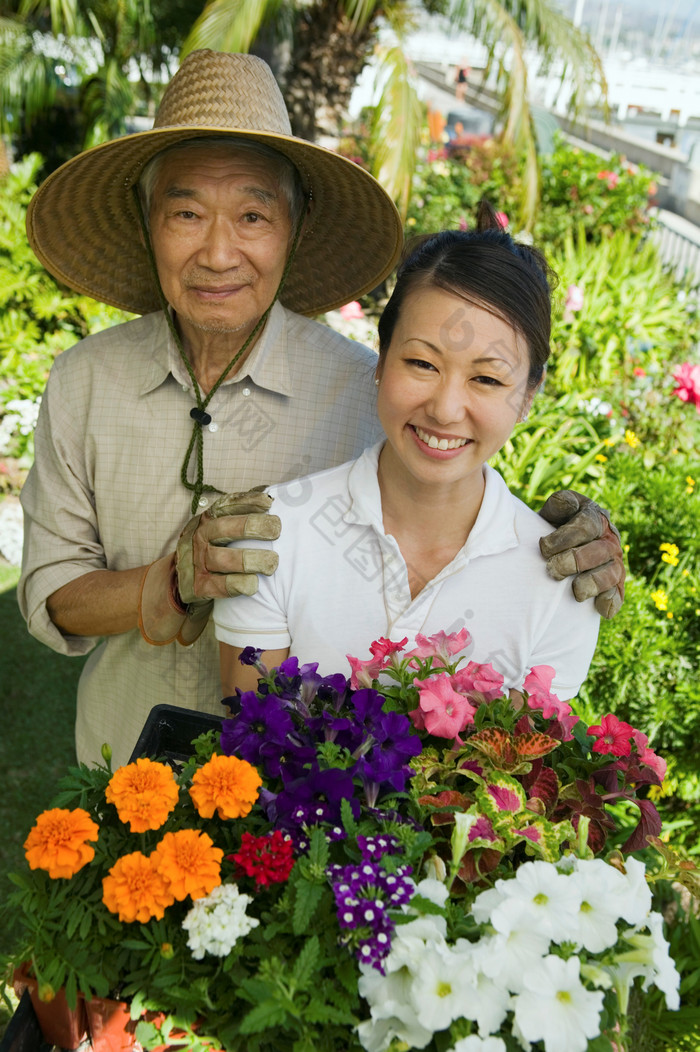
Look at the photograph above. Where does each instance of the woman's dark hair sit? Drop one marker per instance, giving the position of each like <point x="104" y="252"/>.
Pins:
<point x="488" y="268"/>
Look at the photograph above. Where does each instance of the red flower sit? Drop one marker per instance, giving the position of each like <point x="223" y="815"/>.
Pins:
<point x="382" y="648"/>
<point x="613" y="736"/>
<point x="267" y="859"/>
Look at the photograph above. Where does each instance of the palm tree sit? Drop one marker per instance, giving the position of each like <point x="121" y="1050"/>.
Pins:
<point x="332" y="41"/>
<point x="96" y="59"/>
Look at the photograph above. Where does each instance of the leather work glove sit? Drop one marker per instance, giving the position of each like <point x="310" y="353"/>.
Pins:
<point x="585" y="544"/>
<point x="178" y="590"/>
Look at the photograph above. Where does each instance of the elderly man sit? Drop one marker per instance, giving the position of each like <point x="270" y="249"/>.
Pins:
<point x="223" y="231"/>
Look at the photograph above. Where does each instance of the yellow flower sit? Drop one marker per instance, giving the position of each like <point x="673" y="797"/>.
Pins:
<point x="669" y="614"/>
<point x="189" y="863"/>
<point x="144" y="793"/>
<point x="670" y="553"/>
<point x="57" y="841"/>
<point x="601" y="457"/>
<point x="135" y="890"/>
<point x="686" y="573"/>
<point x="660" y="599"/>
<point x="690" y="484"/>
<point x="226" y="785"/>
<point x="609" y="441"/>
<point x="631" y="439"/>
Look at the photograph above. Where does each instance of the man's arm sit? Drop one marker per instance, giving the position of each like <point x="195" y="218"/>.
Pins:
<point x="101" y="603"/>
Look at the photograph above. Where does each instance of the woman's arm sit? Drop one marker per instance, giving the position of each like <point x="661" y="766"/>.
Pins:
<point x="234" y="674"/>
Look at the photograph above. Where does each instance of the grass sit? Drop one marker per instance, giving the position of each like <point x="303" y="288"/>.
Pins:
<point x="37" y="714"/>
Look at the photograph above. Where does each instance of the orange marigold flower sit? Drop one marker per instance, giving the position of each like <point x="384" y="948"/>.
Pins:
<point x="57" y="841"/>
<point x="144" y="793"/>
<point x="135" y="890"/>
<point x="227" y="785"/>
<point x="189" y="863"/>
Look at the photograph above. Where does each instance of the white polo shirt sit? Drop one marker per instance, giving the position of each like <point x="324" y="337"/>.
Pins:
<point x="342" y="582"/>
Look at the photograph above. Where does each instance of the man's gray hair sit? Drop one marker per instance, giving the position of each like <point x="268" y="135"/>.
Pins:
<point x="286" y="173"/>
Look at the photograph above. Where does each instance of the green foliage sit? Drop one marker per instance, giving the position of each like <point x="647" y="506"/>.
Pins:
<point x="447" y="190"/>
<point x="38" y="318"/>
<point x="601" y="195"/>
<point x="633" y="314"/>
<point x="555" y="449"/>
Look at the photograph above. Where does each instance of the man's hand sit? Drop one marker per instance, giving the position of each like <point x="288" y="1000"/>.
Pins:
<point x="206" y="568"/>
<point x="587" y="545"/>
<point x="178" y="591"/>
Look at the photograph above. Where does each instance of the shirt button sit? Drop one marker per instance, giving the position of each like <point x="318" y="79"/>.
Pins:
<point x="246" y="391"/>
<point x="203" y="501"/>
<point x="213" y="427"/>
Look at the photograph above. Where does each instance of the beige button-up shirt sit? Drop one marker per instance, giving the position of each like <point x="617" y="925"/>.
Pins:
<point x="105" y="489"/>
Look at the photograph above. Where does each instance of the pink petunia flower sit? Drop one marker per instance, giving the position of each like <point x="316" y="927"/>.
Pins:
<point x="481" y="678"/>
<point x="363" y="672"/>
<point x="502" y="219"/>
<point x="442" y="645"/>
<point x="537" y="684"/>
<point x="444" y="712"/>
<point x="352" y="311"/>
<point x="614" y="736"/>
<point x="687" y="377"/>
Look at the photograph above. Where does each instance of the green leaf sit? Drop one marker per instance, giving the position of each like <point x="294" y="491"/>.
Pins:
<point x="306" y="962"/>
<point x="306" y="902"/>
<point x="263" y="1017"/>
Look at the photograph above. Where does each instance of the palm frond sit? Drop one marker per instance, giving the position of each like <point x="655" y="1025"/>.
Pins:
<point x="28" y="79"/>
<point x="360" y="11"/>
<point x="395" y="131"/>
<point x="230" y="25"/>
<point x="65" y="14"/>
<point x="106" y="98"/>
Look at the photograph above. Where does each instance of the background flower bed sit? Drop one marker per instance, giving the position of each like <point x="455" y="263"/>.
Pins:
<point x="607" y="423"/>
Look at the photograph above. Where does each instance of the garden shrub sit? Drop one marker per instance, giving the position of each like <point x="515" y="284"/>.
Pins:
<point x="38" y="319"/>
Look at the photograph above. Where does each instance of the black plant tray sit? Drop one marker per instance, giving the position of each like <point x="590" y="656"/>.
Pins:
<point x="23" y="1033"/>
<point x="169" y="731"/>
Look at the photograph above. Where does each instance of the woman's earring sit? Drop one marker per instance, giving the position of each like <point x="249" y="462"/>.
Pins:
<point x="376" y="381"/>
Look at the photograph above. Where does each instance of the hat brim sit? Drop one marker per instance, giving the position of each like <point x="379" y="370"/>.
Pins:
<point x="83" y="226"/>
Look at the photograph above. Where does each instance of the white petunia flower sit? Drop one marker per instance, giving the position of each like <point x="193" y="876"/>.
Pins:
<point x="637" y="900"/>
<point x="556" y="1008"/>
<point x="434" y="890"/>
<point x="649" y="957"/>
<point x="217" y="921"/>
<point x="603" y="890"/>
<point x="489" y="1004"/>
<point x="507" y="958"/>
<point x="442" y="985"/>
<point x="538" y="899"/>
<point x="479" y="1044"/>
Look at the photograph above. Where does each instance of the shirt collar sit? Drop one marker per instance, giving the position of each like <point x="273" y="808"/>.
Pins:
<point x="267" y="366"/>
<point x="494" y="530"/>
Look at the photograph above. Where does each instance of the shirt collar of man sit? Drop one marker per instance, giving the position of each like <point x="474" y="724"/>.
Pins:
<point x="267" y="365"/>
<point x="494" y="530"/>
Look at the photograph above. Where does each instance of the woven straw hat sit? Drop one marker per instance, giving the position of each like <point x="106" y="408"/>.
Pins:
<point x="83" y="225"/>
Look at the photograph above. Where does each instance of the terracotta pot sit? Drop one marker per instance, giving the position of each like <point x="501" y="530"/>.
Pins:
<point x="110" y="1026"/>
<point x="60" y="1024"/>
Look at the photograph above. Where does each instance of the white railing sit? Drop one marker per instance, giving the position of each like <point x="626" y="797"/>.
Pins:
<point x="678" y="243"/>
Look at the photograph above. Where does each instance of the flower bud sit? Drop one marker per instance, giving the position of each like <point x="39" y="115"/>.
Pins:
<point x="106" y="751"/>
<point x="46" y="992"/>
<point x="167" y="951"/>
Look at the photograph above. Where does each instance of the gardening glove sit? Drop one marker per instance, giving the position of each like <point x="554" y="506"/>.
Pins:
<point x="587" y="545"/>
<point x="178" y="590"/>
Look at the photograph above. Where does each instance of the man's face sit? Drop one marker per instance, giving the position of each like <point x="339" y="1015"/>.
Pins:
<point x="221" y="231"/>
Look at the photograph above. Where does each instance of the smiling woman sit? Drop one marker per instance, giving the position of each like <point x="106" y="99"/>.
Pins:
<point x="420" y="532"/>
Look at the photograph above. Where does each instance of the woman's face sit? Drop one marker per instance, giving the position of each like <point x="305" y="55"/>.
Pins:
<point x="453" y="384"/>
